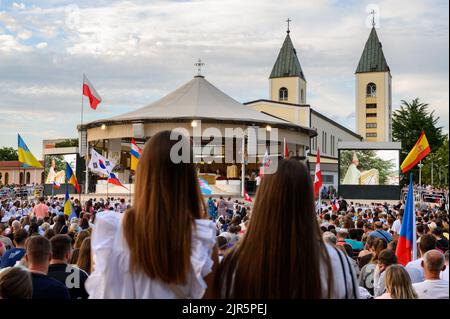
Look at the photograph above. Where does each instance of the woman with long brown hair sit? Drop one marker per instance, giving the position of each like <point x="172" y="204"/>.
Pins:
<point x="84" y="256"/>
<point x="282" y="254"/>
<point x="163" y="246"/>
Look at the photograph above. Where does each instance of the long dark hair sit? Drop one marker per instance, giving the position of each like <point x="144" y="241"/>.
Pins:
<point x="158" y="228"/>
<point x="60" y="223"/>
<point x="282" y="252"/>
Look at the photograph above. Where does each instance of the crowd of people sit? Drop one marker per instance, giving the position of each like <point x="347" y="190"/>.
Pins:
<point x="174" y="243"/>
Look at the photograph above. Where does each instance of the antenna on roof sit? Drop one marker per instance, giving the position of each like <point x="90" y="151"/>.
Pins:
<point x="373" y="12"/>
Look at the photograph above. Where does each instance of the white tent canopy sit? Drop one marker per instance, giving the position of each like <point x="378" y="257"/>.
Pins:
<point x="199" y="99"/>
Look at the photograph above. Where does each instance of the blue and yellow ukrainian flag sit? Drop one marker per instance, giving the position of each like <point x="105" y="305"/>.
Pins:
<point x="25" y="156"/>
<point x="68" y="208"/>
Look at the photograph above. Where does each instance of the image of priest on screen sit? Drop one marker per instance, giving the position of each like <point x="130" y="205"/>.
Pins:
<point x="355" y="177"/>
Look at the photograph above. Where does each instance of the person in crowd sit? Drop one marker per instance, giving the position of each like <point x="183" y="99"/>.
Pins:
<point x="356" y="244"/>
<point x="60" y="269"/>
<point x="397" y="225"/>
<point x="15" y="283"/>
<point x="84" y="257"/>
<point x="284" y="206"/>
<point x="432" y="287"/>
<point x="222" y="207"/>
<point x="80" y="237"/>
<point x="38" y="256"/>
<point x="222" y="245"/>
<point x="60" y="226"/>
<point x="366" y="278"/>
<point x="15" y="254"/>
<point x="329" y="238"/>
<point x="212" y="209"/>
<point x="398" y="284"/>
<point x="441" y="241"/>
<point x="386" y="259"/>
<point x="380" y="233"/>
<point x="4" y="239"/>
<point x="414" y="267"/>
<point x="444" y="274"/>
<point x="164" y="246"/>
<point x="341" y="241"/>
<point x="40" y="211"/>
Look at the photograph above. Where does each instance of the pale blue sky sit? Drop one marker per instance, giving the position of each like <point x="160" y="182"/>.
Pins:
<point x="134" y="52"/>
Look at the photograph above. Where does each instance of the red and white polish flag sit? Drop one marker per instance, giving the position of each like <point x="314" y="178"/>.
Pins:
<point x="317" y="175"/>
<point x="91" y="93"/>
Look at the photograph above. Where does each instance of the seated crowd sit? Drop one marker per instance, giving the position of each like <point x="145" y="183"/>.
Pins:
<point x="171" y="243"/>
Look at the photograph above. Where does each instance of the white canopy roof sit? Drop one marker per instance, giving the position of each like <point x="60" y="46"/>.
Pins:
<point x="199" y="99"/>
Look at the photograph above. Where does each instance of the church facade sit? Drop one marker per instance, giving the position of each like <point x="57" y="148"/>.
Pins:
<point x="288" y="101"/>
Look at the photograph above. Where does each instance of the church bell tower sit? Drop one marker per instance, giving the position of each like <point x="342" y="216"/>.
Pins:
<point x="287" y="81"/>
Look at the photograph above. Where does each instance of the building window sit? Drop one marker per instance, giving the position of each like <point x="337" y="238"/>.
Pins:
<point x="324" y="142"/>
<point x="371" y="106"/>
<point x="21" y="178"/>
<point x="371" y="134"/>
<point x="6" y="178"/>
<point x="328" y="179"/>
<point x="28" y="178"/>
<point x="371" y="125"/>
<point x="302" y="95"/>
<point x="371" y="90"/>
<point x="371" y="115"/>
<point x="283" y="94"/>
<point x="332" y="145"/>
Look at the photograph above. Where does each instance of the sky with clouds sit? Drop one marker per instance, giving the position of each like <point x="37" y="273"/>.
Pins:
<point x="135" y="52"/>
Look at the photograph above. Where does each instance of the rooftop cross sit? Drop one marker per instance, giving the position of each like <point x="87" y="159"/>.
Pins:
<point x="199" y="65"/>
<point x="288" y="20"/>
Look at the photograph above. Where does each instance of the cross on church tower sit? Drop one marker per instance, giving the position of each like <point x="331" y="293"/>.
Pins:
<point x="199" y="65"/>
<point x="373" y="12"/>
<point x="288" y="20"/>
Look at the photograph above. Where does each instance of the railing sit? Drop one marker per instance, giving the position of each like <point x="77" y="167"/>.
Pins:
<point x="22" y="191"/>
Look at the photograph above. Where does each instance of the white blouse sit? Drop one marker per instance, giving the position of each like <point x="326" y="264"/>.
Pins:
<point x="112" y="278"/>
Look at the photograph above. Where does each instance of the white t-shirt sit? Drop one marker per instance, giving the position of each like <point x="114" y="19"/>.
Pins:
<point x="415" y="270"/>
<point x="112" y="278"/>
<point x="396" y="226"/>
<point x="432" y="289"/>
<point x="444" y="274"/>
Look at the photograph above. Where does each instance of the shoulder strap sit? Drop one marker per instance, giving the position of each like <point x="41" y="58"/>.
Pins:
<point x="384" y="236"/>
<point x="343" y="271"/>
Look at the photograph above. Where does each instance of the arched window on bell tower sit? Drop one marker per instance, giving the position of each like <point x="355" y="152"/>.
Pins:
<point x="371" y="90"/>
<point x="283" y="94"/>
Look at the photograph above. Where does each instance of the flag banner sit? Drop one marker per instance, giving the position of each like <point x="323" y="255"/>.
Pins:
<point x="71" y="178"/>
<point x="99" y="164"/>
<point x="56" y="185"/>
<point x="135" y="152"/>
<point x="406" y="247"/>
<point x="204" y="187"/>
<point x="91" y="93"/>
<point x="317" y="175"/>
<point x="113" y="179"/>
<point x="68" y="208"/>
<point x="418" y="152"/>
<point x="286" y="150"/>
<point x="25" y="156"/>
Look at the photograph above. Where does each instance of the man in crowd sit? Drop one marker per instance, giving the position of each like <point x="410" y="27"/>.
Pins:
<point x="16" y="253"/>
<point x="414" y="268"/>
<point x="59" y="269"/>
<point x="41" y="210"/>
<point x="433" y="287"/>
<point x="4" y="239"/>
<point x="38" y="256"/>
<point x="380" y="233"/>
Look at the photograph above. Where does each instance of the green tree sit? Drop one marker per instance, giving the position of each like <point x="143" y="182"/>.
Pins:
<point x="407" y="124"/>
<point x="439" y="159"/>
<point x="67" y="143"/>
<point x="8" y="154"/>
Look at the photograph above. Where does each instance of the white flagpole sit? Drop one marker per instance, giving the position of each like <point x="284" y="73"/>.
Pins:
<point x="243" y="168"/>
<point x="86" y="184"/>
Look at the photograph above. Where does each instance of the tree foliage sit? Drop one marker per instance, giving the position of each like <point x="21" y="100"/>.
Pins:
<point x="72" y="142"/>
<point x="8" y="154"/>
<point x="407" y="124"/>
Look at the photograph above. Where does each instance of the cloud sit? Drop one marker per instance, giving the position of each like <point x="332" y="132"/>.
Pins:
<point x="42" y="45"/>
